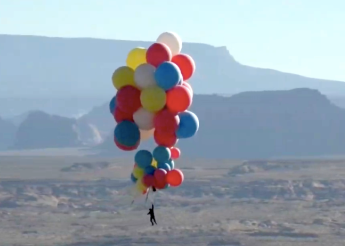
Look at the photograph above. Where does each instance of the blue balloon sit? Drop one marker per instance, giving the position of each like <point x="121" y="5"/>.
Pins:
<point x="161" y="154"/>
<point x="164" y="165"/>
<point x="134" y="180"/>
<point x="127" y="133"/>
<point x="167" y="186"/>
<point x="171" y="163"/>
<point x="149" y="170"/>
<point x="168" y="75"/>
<point x="112" y="105"/>
<point x="143" y="158"/>
<point x="189" y="125"/>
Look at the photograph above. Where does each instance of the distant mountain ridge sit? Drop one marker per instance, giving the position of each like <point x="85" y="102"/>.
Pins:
<point x="62" y="67"/>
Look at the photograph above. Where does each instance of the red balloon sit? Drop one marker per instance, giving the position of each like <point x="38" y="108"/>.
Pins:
<point x="158" y="53"/>
<point x="160" y="178"/>
<point x="148" y="180"/>
<point x="167" y="139"/>
<point x="126" y="148"/>
<point x="120" y="115"/>
<point x="175" y="177"/>
<point x="184" y="83"/>
<point x="186" y="64"/>
<point x="179" y="99"/>
<point x="160" y="185"/>
<point x="166" y="121"/>
<point x="175" y="153"/>
<point x="128" y="99"/>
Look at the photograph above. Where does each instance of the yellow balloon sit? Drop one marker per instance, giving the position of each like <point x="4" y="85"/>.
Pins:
<point x="146" y="134"/>
<point x="123" y="76"/>
<point x="138" y="173"/>
<point x="136" y="57"/>
<point x="154" y="163"/>
<point x="140" y="186"/>
<point x="153" y="98"/>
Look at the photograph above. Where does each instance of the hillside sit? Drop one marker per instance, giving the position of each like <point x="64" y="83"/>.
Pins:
<point x="299" y="122"/>
<point x="41" y="130"/>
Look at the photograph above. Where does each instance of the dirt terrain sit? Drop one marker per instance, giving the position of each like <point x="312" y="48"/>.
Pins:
<point x="51" y="198"/>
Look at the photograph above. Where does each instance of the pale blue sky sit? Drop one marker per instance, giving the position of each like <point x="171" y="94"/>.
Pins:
<point x="306" y="37"/>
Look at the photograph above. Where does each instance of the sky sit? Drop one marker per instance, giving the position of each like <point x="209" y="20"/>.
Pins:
<point x="305" y="37"/>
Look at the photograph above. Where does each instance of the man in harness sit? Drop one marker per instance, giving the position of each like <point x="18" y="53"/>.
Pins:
<point x="152" y="216"/>
<point x="151" y="211"/>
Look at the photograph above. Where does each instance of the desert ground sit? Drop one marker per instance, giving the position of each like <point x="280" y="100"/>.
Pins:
<point x="64" y="198"/>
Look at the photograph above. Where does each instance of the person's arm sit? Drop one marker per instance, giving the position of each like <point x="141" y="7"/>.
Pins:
<point x="152" y="206"/>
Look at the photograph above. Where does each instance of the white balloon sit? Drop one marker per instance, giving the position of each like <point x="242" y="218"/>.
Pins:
<point x="144" y="119"/>
<point x="144" y="76"/>
<point x="172" y="40"/>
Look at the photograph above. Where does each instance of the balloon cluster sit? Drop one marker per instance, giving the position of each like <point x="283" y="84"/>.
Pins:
<point x="156" y="169"/>
<point x="152" y="99"/>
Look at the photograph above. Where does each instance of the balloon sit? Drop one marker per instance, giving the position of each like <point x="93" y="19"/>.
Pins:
<point x="164" y="138"/>
<point x="166" y="186"/>
<point x="123" y="76"/>
<point x="175" y="177"/>
<point x="133" y="179"/>
<point x="128" y="99"/>
<point x="112" y="105"/>
<point x="172" y="40"/>
<point x="167" y="75"/>
<point x="150" y="170"/>
<point x="179" y="99"/>
<point x="175" y="153"/>
<point x="160" y="175"/>
<point x="160" y="184"/>
<point x="158" y="53"/>
<point x="185" y="84"/>
<point x="144" y="76"/>
<point x="146" y="134"/>
<point x="164" y="165"/>
<point x="126" y="148"/>
<point x="119" y="115"/>
<point x="136" y="57"/>
<point x="171" y="164"/>
<point x="148" y="180"/>
<point x="161" y="154"/>
<point x="166" y="121"/>
<point x="138" y="172"/>
<point x="140" y="186"/>
<point x="143" y="158"/>
<point x="189" y="125"/>
<point x="153" y="98"/>
<point x="127" y="133"/>
<point x="144" y="119"/>
<point x="186" y="65"/>
<point x="154" y="163"/>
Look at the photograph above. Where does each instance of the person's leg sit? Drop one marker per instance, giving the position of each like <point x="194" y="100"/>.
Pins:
<point x="154" y="219"/>
<point x="151" y="221"/>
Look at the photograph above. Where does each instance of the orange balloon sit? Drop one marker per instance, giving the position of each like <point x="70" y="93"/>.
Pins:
<point x="186" y="64"/>
<point x="175" y="177"/>
<point x="179" y="99"/>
